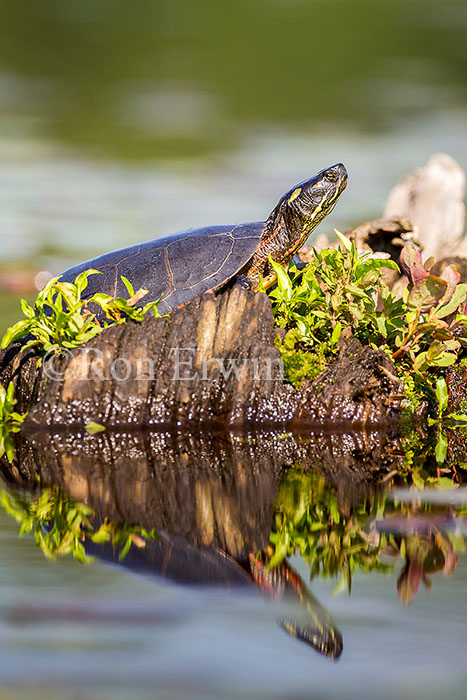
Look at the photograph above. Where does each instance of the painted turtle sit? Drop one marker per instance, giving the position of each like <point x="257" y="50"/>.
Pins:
<point x="180" y="267"/>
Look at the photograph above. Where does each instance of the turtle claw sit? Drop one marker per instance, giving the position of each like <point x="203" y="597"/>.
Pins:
<point x="244" y="282"/>
<point x="298" y="262"/>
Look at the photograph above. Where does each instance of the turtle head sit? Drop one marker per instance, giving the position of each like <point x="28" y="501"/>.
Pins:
<point x="305" y="205"/>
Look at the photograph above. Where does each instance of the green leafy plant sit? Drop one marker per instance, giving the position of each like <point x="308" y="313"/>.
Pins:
<point x="337" y="290"/>
<point x="61" y="318"/>
<point x="423" y="331"/>
<point x="444" y="420"/>
<point x="10" y="421"/>
<point x="61" y="525"/>
<point x="425" y="459"/>
<point x="434" y="313"/>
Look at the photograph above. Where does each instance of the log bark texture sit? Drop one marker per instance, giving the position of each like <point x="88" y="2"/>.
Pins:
<point x="212" y="362"/>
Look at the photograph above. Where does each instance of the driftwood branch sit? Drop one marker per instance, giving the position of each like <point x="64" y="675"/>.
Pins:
<point x="433" y="199"/>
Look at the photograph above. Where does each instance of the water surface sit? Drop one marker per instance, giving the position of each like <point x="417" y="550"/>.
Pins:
<point x="111" y="632"/>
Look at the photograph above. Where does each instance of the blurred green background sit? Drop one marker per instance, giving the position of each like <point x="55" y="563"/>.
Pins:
<point x="153" y="79"/>
<point x="124" y="120"/>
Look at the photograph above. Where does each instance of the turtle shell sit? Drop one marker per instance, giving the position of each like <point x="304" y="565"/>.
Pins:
<point x="177" y="268"/>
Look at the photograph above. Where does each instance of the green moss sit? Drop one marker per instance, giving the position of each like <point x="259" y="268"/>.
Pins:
<point x="299" y="363"/>
<point x="412" y="393"/>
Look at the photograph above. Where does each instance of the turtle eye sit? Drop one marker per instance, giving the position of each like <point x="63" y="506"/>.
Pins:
<point x="331" y="176"/>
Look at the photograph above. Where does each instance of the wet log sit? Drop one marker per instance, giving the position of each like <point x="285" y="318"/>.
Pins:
<point x="212" y="362"/>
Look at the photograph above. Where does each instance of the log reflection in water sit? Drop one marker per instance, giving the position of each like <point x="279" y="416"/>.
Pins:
<point x="210" y="497"/>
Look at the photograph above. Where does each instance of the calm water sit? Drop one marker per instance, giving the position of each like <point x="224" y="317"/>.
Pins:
<point x="120" y="636"/>
<point x="121" y="121"/>
<point x="102" y="631"/>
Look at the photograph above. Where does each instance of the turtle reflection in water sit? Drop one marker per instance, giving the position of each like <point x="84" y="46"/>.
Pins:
<point x="175" y="559"/>
<point x="178" y="268"/>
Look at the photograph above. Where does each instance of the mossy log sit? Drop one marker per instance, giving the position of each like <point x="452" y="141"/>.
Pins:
<point x="212" y="362"/>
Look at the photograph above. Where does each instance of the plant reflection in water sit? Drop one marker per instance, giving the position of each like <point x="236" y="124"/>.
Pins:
<point x="376" y="530"/>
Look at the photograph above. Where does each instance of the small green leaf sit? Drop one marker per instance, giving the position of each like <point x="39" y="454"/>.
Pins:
<point x="459" y="417"/>
<point x="344" y="240"/>
<point x="381" y="325"/>
<point x="278" y="556"/>
<point x="441" y="394"/>
<point x="356" y="291"/>
<point x="128" y="285"/>
<point x="446" y="359"/>
<point x="453" y="304"/>
<point x="93" y="428"/>
<point x="27" y="310"/>
<point x="374" y="264"/>
<point x="102" y="299"/>
<point x="335" y="335"/>
<point x="125" y="549"/>
<point x="283" y="280"/>
<point x="102" y="535"/>
<point x="441" y="447"/>
<point x="14" y="332"/>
